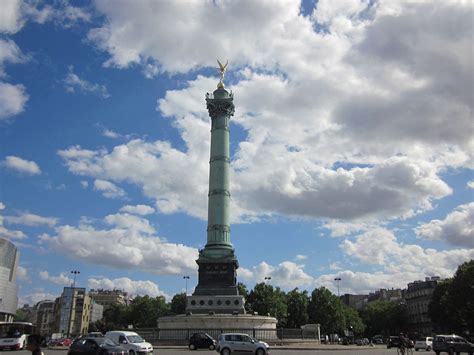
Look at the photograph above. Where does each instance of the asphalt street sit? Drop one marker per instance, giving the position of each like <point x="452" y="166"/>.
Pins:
<point x="276" y="351"/>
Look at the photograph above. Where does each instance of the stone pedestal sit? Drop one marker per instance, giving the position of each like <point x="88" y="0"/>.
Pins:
<point x="181" y="326"/>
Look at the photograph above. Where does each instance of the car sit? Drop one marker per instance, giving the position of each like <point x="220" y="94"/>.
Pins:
<point x="378" y="339"/>
<point x="452" y="344"/>
<point x="362" y="341"/>
<point x="393" y="341"/>
<point x="96" y="346"/>
<point x="200" y="341"/>
<point x="131" y="341"/>
<point x="95" y="335"/>
<point x="239" y="342"/>
<point x="424" y="343"/>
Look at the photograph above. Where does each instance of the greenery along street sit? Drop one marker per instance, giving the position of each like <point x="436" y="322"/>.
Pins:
<point x="452" y="309"/>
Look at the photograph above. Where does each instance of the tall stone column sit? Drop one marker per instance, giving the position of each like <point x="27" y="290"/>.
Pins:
<point x="217" y="287"/>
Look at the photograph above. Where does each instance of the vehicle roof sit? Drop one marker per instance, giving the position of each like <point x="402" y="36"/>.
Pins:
<point x="122" y="332"/>
<point x="448" y="335"/>
<point x="235" y="334"/>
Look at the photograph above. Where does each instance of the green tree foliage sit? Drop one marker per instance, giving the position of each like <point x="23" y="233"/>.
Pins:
<point x="452" y="306"/>
<point x="326" y="309"/>
<point x="297" y="307"/>
<point x="265" y="299"/>
<point x="384" y="317"/>
<point x="146" y="310"/>
<point x="178" y="303"/>
<point x="21" y="316"/>
<point x="352" y="319"/>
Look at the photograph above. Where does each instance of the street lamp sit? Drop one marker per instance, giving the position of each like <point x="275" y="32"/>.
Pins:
<point x="268" y="278"/>
<point x="337" y="279"/>
<point x="186" y="278"/>
<point x="75" y="272"/>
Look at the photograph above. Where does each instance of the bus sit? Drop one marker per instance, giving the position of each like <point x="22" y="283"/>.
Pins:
<point x="13" y="335"/>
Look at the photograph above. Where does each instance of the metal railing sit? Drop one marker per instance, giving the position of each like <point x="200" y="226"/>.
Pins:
<point x="154" y="334"/>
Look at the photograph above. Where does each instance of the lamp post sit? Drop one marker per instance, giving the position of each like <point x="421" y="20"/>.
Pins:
<point x="267" y="279"/>
<point x="337" y="279"/>
<point x="186" y="278"/>
<point x="75" y="272"/>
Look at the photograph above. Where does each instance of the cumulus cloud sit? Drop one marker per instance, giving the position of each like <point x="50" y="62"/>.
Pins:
<point x="22" y="273"/>
<point x="72" y="83"/>
<point x="37" y="295"/>
<point x="62" y="279"/>
<point x="12" y="100"/>
<point x="7" y="233"/>
<point x="141" y="210"/>
<point x="470" y="184"/>
<point x="109" y="189"/>
<point x="9" y="53"/>
<point x="457" y="228"/>
<point x="129" y="243"/>
<point x="10" y="16"/>
<point x="380" y="247"/>
<point x="21" y="165"/>
<point x="139" y="288"/>
<point x="29" y="219"/>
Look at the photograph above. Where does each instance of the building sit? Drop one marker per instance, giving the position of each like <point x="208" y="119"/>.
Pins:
<point x="72" y="312"/>
<point x="97" y="311"/>
<point x="107" y="298"/>
<point x="354" y="301"/>
<point x="418" y="297"/>
<point x="9" y="258"/>
<point x="45" y="317"/>
<point x="361" y="301"/>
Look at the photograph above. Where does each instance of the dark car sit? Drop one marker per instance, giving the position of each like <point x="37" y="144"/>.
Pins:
<point x="96" y="346"/>
<point x="393" y="342"/>
<point x="201" y="340"/>
<point x="452" y="344"/>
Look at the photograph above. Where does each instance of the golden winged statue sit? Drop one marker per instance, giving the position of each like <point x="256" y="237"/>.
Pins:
<point x="222" y="69"/>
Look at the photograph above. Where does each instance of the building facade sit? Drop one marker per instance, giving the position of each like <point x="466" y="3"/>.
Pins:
<point x="9" y="258"/>
<point x="418" y="297"/>
<point x="107" y="298"/>
<point x="45" y="317"/>
<point x="72" y="312"/>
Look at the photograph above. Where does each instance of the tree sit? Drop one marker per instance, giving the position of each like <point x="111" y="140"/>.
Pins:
<point x="297" y="306"/>
<point x="178" y="303"/>
<point x="265" y="299"/>
<point x="21" y="315"/>
<point x="326" y="309"/>
<point x="384" y="317"/>
<point x="352" y="319"/>
<point x="144" y="310"/>
<point x="452" y="305"/>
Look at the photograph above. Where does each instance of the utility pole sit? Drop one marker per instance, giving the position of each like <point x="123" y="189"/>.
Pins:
<point x="337" y="279"/>
<point x="186" y="278"/>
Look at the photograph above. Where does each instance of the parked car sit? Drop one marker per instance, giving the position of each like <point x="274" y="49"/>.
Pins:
<point x="235" y="342"/>
<point x="378" y="339"/>
<point x="131" y="341"/>
<point x="96" y="346"/>
<point x="425" y="343"/>
<point x="393" y="342"/>
<point x="95" y="335"/>
<point x="362" y="341"/>
<point x="200" y="341"/>
<point x="452" y="344"/>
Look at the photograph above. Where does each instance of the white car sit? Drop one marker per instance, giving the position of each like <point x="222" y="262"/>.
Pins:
<point x="131" y="341"/>
<point x="424" y="343"/>
<point x="240" y="343"/>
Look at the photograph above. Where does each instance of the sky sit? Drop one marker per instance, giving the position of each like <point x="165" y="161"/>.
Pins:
<point x="351" y="143"/>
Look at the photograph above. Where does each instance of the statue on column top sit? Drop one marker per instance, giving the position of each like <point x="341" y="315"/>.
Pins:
<point x="222" y="69"/>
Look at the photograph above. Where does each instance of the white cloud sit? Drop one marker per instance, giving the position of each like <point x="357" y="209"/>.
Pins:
<point x="129" y="244"/>
<point x="29" y="219"/>
<point x="380" y="247"/>
<point x="10" y="16"/>
<point x="457" y="228"/>
<point x="140" y="288"/>
<point x="36" y="296"/>
<point x="22" y="273"/>
<point x="72" y="83"/>
<point x="470" y="184"/>
<point x="9" y="53"/>
<point x="300" y="257"/>
<point x="84" y="184"/>
<point x="108" y="189"/>
<point x="6" y="233"/>
<point x="12" y="100"/>
<point x="62" y="279"/>
<point x="141" y="210"/>
<point x="21" y="165"/>
<point x="110" y="134"/>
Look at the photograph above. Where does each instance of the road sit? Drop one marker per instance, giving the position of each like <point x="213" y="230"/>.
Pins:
<point x="274" y="351"/>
